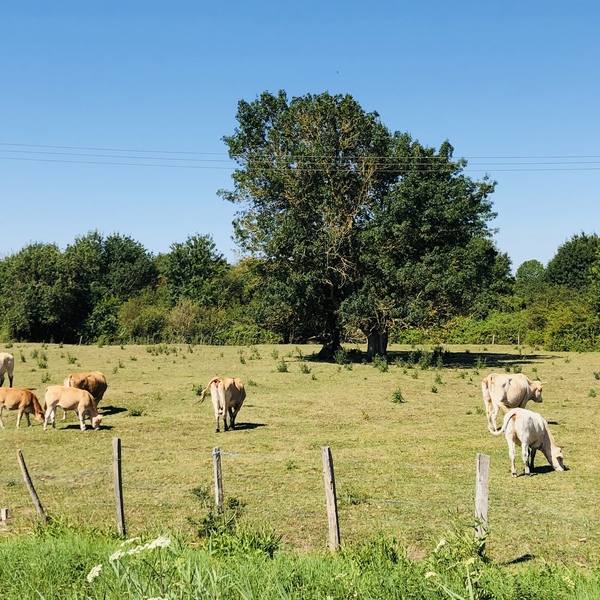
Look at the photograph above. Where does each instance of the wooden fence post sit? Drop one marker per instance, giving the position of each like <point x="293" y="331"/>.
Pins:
<point x="218" y="478"/>
<point x="332" y="514"/>
<point x="482" y="481"/>
<point x="118" y="484"/>
<point x="3" y="516"/>
<point x="29" y="484"/>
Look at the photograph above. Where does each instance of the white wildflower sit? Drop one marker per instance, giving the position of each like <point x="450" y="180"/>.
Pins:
<point x="442" y="542"/>
<point x="159" y="542"/>
<point x="430" y="574"/>
<point x="116" y="556"/>
<point x="94" y="573"/>
<point x="130" y="541"/>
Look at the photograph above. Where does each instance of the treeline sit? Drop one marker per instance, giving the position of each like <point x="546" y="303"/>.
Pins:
<point x="107" y="290"/>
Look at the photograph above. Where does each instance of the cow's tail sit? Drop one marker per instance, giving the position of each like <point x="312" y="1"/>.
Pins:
<point x="511" y="414"/>
<point x="205" y="390"/>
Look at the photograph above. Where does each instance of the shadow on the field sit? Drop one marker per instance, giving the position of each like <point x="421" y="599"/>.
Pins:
<point x="520" y="559"/>
<point x="111" y="410"/>
<point x="483" y="361"/>
<point x="248" y="426"/>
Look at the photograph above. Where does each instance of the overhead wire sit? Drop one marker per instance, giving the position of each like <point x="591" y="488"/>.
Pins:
<point x="223" y="161"/>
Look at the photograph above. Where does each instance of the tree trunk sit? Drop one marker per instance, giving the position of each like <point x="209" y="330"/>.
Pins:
<point x="331" y="345"/>
<point x="377" y="342"/>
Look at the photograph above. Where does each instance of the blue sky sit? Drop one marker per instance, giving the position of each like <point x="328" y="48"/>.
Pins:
<point x="513" y="85"/>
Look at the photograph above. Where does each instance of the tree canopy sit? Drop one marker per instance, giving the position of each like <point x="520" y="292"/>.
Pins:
<point x="356" y="225"/>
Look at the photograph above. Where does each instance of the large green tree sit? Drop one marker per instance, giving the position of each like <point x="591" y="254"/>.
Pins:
<point x="354" y="224"/>
<point x="573" y="262"/>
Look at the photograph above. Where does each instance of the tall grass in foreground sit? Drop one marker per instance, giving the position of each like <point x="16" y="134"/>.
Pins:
<point x="62" y="564"/>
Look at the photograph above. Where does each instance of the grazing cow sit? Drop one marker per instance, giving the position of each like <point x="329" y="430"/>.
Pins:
<point x="228" y="395"/>
<point x="22" y="400"/>
<point x="94" y="382"/>
<point x="7" y="365"/>
<point x="68" y="398"/>
<point x="506" y="391"/>
<point x="529" y="430"/>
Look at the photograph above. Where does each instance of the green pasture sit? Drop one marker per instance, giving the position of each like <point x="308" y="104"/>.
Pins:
<point x="404" y="438"/>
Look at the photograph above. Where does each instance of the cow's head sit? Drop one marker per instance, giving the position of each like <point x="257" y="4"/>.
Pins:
<point x="536" y="390"/>
<point x="557" y="459"/>
<point x="96" y="421"/>
<point x="39" y="417"/>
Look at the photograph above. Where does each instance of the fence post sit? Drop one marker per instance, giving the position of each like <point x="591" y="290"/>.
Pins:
<point x="482" y="481"/>
<point x="3" y="516"/>
<point x="218" y="478"/>
<point x="29" y="484"/>
<point x="332" y="514"/>
<point x="118" y="484"/>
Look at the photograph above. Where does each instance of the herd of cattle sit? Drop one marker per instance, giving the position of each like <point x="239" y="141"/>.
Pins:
<point x="81" y="392"/>
<point x="511" y="393"/>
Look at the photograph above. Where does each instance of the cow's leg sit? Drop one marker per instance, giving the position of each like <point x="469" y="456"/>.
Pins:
<point x="532" y="452"/>
<point x="2" y="380"/>
<point x="27" y="417"/>
<point x="512" y="451"/>
<point x="81" y="414"/>
<point x="10" y="380"/>
<point x="1" y="422"/>
<point x="49" y="415"/>
<point x="525" y="453"/>
<point x="19" y="415"/>
<point x="493" y="417"/>
<point x="232" y="415"/>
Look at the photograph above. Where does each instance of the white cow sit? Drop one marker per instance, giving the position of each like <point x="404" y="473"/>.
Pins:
<point x="7" y="365"/>
<point x="68" y="398"/>
<point x="505" y="391"/>
<point x="528" y="429"/>
<point x="227" y="395"/>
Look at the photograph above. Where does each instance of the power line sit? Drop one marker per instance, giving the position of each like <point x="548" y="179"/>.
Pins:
<point x="312" y="163"/>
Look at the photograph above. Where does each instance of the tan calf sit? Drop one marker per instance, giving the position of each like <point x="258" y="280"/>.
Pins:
<point x="68" y="398"/>
<point x="228" y="395"/>
<point x="22" y="400"/>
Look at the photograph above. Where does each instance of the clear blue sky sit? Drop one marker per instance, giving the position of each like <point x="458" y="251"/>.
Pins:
<point x="155" y="79"/>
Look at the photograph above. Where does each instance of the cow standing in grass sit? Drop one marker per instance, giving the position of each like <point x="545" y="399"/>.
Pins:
<point x="68" y="398"/>
<point x="228" y="395"/>
<point x="7" y="365"/>
<point x="528" y="429"/>
<point x="22" y="400"/>
<point x="505" y="391"/>
<point x="94" y="382"/>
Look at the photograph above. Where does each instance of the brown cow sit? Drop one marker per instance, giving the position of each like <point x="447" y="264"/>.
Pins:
<point x="68" y="398"/>
<point x="93" y="381"/>
<point x="7" y="365"/>
<point x="228" y="395"/>
<point x="22" y="400"/>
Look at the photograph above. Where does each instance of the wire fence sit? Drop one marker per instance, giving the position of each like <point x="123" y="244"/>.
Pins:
<point x="289" y="494"/>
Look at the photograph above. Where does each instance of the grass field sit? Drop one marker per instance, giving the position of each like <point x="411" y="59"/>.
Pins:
<point x="404" y="443"/>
